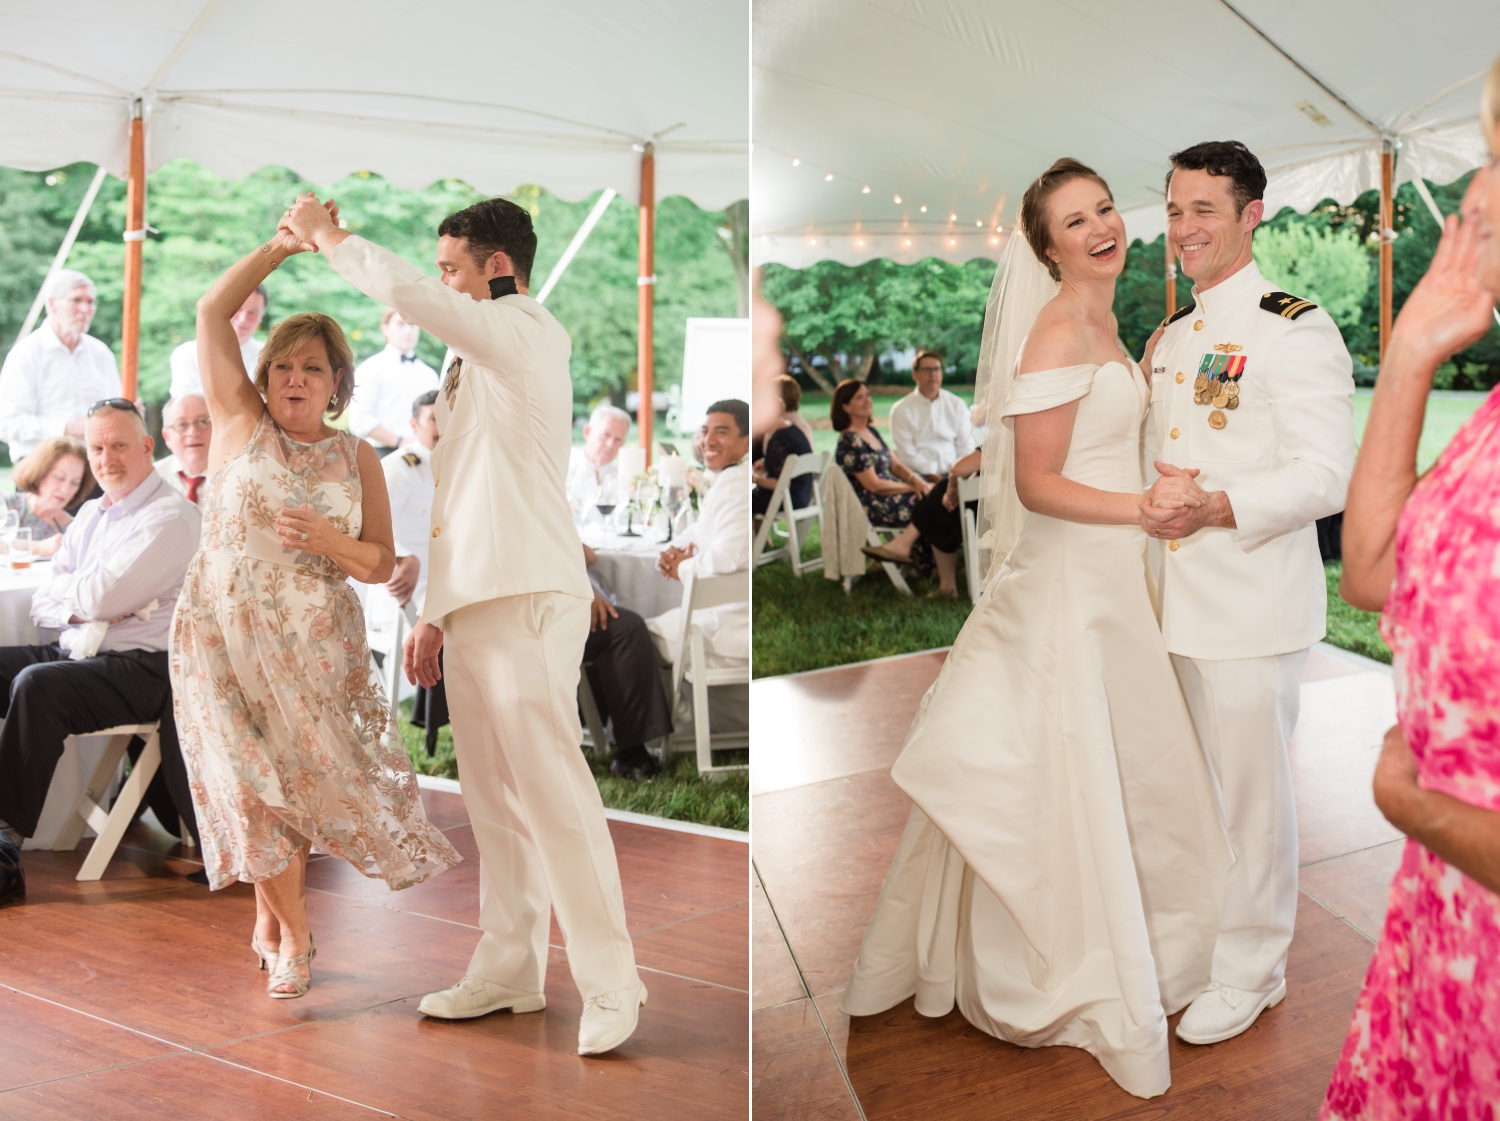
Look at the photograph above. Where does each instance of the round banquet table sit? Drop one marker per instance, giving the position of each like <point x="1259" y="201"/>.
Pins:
<point x="627" y="567"/>
<point x="16" y="588"/>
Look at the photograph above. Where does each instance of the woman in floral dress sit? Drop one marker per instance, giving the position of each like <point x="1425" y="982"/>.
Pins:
<point x="1425" y="1041"/>
<point x="892" y="493"/>
<point x="282" y="719"/>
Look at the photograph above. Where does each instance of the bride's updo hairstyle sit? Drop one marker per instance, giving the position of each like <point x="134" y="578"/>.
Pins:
<point x="1034" y="217"/>
<point x="296" y="331"/>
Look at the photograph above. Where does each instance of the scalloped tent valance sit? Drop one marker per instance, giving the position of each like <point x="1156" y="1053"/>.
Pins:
<point x="867" y="111"/>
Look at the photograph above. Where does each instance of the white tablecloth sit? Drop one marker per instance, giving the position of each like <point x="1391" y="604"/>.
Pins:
<point x="16" y="587"/>
<point x="627" y="567"/>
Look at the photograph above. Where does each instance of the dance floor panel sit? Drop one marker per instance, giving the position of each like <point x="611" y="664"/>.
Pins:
<point x="138" y="996"/>
<point x="827" y="822"/>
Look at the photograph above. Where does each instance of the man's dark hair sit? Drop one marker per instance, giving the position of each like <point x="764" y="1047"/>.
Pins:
<point x="1224" y="157"/>
<point x="495" y="226"/>
<point x="422" y="402"/>
<point x="735" y="408"/>
<point x="924" y="354"/>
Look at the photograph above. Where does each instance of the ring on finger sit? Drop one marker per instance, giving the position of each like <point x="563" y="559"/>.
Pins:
<point x="304" y="535"/>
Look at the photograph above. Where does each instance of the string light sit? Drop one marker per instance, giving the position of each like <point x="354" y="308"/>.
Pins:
<point x="864" y="190"/>
<point x="953" y="217"/>
<point x="978" y="224"/>
<point x="796" y="161"/>
<point x="898" y="198"/>
<point x="924" y="210"/>
<point x="828" y="178"/>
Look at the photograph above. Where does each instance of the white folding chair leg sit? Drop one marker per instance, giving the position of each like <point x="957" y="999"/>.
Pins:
<point x="112" y="827"/>
<point x="591" y="718"/>
<point x="87" y="807"/>
<point x="891" y="570"/>
<point x="184" y="832"/>
<point x="701" y="732"/>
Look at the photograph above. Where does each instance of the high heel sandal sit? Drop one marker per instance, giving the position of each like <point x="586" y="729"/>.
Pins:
<point x="263" y="955"/>
<point x="286" y="973"/>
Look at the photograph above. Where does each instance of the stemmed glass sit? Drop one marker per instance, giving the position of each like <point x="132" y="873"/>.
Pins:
<point x="605" y="502"/>
<point x="10" y="524"/>
<point x="673" y="499"/>
<point x="645" y="492"/>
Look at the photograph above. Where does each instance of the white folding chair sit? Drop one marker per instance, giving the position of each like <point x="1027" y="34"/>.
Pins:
<point x="879" y="535"/>
<point x="968" y="491"/>
<point x="88" y="813"/>
<point x="698" y="594"/>
<point x="781" y="508"/>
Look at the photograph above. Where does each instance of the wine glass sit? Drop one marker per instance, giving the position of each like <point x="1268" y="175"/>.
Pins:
<point x="605" y="502"/>
<point x="646" y="493"/>
<point x="673" y="499"/>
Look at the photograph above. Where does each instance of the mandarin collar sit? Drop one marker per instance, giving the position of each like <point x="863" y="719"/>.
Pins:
<point x="1246" y="285"/>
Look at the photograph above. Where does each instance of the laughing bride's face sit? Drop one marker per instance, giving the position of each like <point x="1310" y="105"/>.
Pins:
<point x="1088" y="235"/>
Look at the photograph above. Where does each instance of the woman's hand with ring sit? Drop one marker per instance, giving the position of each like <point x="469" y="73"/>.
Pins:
<point x="304" y="530"/>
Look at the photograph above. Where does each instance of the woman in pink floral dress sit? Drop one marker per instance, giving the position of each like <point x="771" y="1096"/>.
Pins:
<point x="282" y="719"/>
<point x="1425" y="1041"/>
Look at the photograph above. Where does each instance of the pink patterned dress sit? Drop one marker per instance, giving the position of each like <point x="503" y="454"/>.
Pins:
<point x="1425" y="1041"/>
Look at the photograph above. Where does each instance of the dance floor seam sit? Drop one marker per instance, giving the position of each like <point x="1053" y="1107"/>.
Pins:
<point x="828" y="819"/>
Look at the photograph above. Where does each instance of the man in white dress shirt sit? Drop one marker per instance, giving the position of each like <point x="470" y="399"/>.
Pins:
<point x="1251" y="389"/>
<point x="186" y="428"/>
<point x="930" y="428"/>
<point x="387" y="382"/>
<point x="718" y="543"/>
<point x="113" y="584"/>
<point x="508" y="604"/>
<point x="54" y="374"/>
<point x="408" y="481"/>
<point x="594" y="465"/>
<point x="186" y="378"/>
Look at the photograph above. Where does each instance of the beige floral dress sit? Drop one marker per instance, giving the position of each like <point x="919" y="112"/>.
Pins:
<point x="282" y="718"/>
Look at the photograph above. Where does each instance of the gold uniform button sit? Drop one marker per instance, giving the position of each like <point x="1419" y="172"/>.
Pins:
<point x="1179" y="377"/>
<point x="1197" y="324"/>
<point x="435" y="532"/>
<point x="1174" y="433"/>
<point x="1172" y="545"/>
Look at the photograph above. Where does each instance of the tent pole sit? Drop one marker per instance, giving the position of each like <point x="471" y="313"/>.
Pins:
<point x="135" y="234"/>
<point x="646" y="284"/>
<point x="1171" y="276"/>
<point x="1387" y="232"/>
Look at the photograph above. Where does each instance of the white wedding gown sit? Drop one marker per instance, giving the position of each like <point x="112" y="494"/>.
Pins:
<point x="1061" y="874"/>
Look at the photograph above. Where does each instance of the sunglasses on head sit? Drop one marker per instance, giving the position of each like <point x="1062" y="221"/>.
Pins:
<point x="112" y="403"/>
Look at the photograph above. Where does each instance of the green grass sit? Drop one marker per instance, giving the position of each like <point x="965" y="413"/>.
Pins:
<point x="679" y="792"/>
<point x="1349" y="627"/>
<point x="1446" y="413"/>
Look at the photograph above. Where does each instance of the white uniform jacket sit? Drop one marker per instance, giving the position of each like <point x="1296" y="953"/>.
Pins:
<point x="500" y="519"/>
<point x="1283" y="456"/>
<point x="408" y="481"/>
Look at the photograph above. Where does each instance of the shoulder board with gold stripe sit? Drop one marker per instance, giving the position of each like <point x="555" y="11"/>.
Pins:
<point x="1288" y="307"/>
<point x="1176" y="315"/>
<point x="411" y="459"/>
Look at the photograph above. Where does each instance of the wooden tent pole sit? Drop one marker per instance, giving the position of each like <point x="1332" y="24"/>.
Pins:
<point x="1387" y="234"/>
<point x="646" y="283"/>
<point x="1171" y="276"/>
<point x="135" y="234"/>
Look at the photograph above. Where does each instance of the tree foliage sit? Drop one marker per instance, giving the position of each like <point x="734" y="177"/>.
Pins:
<point x="205" y="223"/>
<point x="1329" y="267"/>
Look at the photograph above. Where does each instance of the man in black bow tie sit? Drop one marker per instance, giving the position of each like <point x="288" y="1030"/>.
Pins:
<point x="386" y="383"/>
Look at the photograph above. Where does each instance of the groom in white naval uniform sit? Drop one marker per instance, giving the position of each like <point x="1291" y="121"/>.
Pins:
<point x="1251" y="388"/>
<point x="508" y="595"/>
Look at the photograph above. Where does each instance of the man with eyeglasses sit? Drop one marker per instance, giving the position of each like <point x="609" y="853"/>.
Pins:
<point x="186" y="428"/>
<point x="111" y="591"/>
<point x="52" y="375"/>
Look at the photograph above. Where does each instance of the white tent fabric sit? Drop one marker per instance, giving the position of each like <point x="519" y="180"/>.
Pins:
<point x="867" y="111"/>
<point x="562" y="94"/>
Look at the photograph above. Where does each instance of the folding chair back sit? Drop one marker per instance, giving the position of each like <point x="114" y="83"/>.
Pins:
<point x="698" y="594"/>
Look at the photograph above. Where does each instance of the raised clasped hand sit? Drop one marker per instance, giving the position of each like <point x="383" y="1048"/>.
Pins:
<point x="305" y="219"/>
<point x="306" y="531"/>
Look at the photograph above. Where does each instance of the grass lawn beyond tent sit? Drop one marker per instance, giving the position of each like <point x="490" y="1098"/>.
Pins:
<point x="809" y="623"/>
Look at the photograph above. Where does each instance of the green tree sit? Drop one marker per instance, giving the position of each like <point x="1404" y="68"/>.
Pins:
<point x="1329" y="267"/>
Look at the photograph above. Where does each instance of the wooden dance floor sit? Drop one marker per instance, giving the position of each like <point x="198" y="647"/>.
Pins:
<point x="137" y="997"/>
<point x="827" y="818"/>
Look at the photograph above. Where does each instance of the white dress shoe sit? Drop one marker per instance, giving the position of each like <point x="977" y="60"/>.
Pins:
<point x="1223" y="1011"/>
<point x="609" y="1020"/>
<point x="474" y="996"/>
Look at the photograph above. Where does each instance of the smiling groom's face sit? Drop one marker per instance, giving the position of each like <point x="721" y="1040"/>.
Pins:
<point x="1205" y="232"/>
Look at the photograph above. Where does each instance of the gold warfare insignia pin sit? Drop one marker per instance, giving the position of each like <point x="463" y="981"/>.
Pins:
<point x="451" y="379"/>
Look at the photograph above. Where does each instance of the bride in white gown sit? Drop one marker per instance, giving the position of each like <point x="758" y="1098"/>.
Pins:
<point x="1061" y="875"/>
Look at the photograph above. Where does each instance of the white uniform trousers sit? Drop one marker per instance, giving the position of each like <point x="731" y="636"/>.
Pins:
<point x="1244" y="711"/>
<point x="511" y="666"/>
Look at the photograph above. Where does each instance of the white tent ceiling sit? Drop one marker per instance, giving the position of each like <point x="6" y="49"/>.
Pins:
<point x="956" y="105"/>
<point x="560" y="94"/>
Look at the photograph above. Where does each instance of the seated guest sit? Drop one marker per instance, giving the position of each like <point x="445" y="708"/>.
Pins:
<point x="55" y="373"/>
<point x="186" y="380"/>
<point x="781" y="441"/>
<point x="620" y="661"/>
<point x="892" y="493"/>
<point x="111" y="592"/>
<point x="931" y="427"/>
<point x="386" y="383"/>
<point x="593" y="467"/>
<point x="186" y="427"/>
<point x="49" y="482"/>
<point x="1422" y="1041"/>
<point x="718" y="543"/>
<point x="791" y="399"/>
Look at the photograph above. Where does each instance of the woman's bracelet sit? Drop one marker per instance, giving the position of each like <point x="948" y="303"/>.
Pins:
<point x="266" y="248"/>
